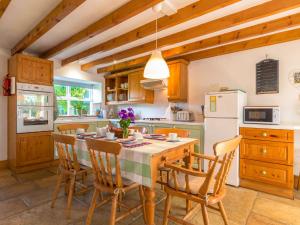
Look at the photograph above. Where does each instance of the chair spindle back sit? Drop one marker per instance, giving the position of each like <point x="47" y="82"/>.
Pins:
<point x="180" y="132"/>
<point x="65" y="146"/>
<point x="71" y="128"/>
<point x="105" y="157"/>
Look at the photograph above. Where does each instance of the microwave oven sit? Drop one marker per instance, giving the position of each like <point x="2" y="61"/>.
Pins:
<point x="262" y="114"/>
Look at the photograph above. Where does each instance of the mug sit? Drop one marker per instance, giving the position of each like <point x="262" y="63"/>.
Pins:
<point x="131" y="131"/>
<point x="80" y="131"/>
<point x="138" y="135"/>
<point x="110" y="135"/>
<point x="173" y="136"/>
<point x="101" y="131"/>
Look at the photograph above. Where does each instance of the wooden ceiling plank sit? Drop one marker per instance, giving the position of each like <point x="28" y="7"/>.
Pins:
<point x="247" y="15"/>
<point x="63" y="9"/>
<point x="126" y="11"/>
<point x="248" y="32"/>
<point x="189" y="12"/>
<point x="273" y="39"/>
<point x="3" y="6"/>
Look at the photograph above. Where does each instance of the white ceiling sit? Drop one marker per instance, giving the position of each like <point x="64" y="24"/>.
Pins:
<point x="22" y="15"/>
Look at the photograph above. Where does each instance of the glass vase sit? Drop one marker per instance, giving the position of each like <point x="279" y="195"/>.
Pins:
<point x="125" y="132"/>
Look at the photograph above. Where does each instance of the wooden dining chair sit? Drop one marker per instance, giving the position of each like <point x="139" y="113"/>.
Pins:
<point x="69" y="169"/>
<point x="142" y="130"/>
<point x="105" y="159"/>
<point x="72" y="127"/>
<point x="204" y="188"/>
<point x="180" y="132"/>
<point x="163" y="170"/>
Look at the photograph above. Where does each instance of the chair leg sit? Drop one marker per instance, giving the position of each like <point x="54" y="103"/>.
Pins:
<point x="204" y="214"/>
<point x="161" y="180"/>
<point x="70" y="195"/>
<point x="142" y="199"/>
<point x="56" y="191"/>
<point x="114" y="204"/>
<point x="223" y="213"/>
<point x="298" y="184"/>
<point x="167" y="209"/>
<point x="188" y="205"/>
<point x="92" y="207"/>
<point x="67" y="184"/>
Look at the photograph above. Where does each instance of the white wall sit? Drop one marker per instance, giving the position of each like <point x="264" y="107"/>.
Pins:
<point x="4" y="55"/>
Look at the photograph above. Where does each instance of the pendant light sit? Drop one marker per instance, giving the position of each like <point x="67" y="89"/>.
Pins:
<point x="156" y="67"/>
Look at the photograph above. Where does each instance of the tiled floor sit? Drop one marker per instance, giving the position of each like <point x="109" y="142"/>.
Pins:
<point x="25" y="200"/>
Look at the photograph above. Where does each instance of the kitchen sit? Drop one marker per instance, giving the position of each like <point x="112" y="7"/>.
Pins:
<point x="219" y="72"/>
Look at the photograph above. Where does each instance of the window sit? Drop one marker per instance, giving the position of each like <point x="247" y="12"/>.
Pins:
<point x="73" y="98"/>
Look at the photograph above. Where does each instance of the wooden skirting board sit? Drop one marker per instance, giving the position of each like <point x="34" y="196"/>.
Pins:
<point x="3" y="164"/>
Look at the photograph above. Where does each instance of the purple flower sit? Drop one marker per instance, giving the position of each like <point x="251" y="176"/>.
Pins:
<point x="130" y="109"/>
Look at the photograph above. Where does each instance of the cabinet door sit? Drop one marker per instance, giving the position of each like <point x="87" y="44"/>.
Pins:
<point x="135" y="90"/>
<point x="26" y="71"/>
<point x="34" y="148"/>
<point x="177" y="83"/>
<point x="43" y="73"/>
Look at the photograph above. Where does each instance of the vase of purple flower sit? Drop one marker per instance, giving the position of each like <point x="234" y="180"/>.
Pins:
<point x="126" y="118"/>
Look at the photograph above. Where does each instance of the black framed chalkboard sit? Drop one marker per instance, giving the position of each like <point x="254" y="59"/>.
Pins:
<point x="267" y="81"/>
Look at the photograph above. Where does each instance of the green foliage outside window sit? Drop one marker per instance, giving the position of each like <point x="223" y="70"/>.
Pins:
<point x="60" y="90"/>
<point x="79" y="92"/>
<point x="80" y="107"/>
<point x="62" y="107"/>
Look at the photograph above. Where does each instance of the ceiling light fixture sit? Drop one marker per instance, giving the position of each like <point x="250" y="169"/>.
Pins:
<point x="156" y="67"/>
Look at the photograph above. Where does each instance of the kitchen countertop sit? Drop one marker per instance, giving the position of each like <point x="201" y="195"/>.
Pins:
<point x="93" y="119"/>
<point x="283" y="126"/>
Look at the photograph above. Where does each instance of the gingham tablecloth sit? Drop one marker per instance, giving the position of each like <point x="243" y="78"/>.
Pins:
<point x="135" y="162"/>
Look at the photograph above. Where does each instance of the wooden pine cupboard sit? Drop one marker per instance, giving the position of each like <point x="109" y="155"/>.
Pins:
<point x="267" y="160"/>
<point x="28" y="151"/>
<point x="32" y="70"/>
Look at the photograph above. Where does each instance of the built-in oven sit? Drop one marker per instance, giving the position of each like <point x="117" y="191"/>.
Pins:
<point x="262" y="114"/>
<point x="34" y="108"/>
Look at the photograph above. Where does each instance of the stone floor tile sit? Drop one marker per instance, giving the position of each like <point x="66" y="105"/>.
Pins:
<point x="5" y="172"/>
<point x="34" y="175"/>
<point x="49" y="181"/>
<point x="7" y="180"/>
<point x="40" y="196"/>
<point x="295" y="202"/>
<point x="277" y="211"/>
<point x="11" y="207"/>
<point x="256" y="219"/>
<point x="16" y="190"/>
<point x="45" y="215"/>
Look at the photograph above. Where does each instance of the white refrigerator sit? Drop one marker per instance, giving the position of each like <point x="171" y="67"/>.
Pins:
<point x="223" y="114"/>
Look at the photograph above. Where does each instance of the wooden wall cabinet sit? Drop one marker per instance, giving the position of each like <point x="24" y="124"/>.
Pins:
<point x="134" y="93"/>
<point x="178" y="81"/>
<point x="29" y="69"/>
<point x="267" y="160"/>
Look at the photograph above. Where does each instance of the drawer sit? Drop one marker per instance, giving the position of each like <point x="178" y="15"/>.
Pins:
<point x="275" y="174"/>
<point x="267" y="134"/>
<point x="267" y="151"/>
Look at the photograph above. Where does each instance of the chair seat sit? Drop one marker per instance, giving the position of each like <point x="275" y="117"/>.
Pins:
<point x="195" y="183"/>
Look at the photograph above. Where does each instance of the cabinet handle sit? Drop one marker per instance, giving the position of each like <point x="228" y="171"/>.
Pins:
<point x="264" y="134"/>
<point x="263" y="150"/>
<point x="263" y="172"/>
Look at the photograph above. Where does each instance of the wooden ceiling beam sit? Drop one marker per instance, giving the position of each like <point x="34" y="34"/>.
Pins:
<point x="273" y="39"/>
<point x="189" y="12"/>
<point x="248" y="32"/>
<point x="63" y="9"/>
<point x="130" y="9"/>
<point x="3" y="6"/>
<point x="256" y="12"/>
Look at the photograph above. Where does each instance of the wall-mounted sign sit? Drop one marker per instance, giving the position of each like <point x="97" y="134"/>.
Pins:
<point x="294" y="78"/>
<point x="267" y="72"/>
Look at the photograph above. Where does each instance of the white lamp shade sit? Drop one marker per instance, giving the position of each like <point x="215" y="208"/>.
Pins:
<point x="156" y="67"/>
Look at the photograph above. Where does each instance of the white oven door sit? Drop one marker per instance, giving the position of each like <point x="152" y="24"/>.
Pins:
<point x="34" y="119"/>
<point x="34" y="98"/>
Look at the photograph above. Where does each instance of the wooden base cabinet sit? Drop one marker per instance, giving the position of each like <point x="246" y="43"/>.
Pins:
<point x="266" y="160"/>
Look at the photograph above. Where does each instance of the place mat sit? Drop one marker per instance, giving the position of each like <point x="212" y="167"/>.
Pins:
<point x="135" y="145"/>
<point x="160" y="138"/>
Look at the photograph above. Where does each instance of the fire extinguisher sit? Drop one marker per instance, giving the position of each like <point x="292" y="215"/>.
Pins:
<point x="6" y="85"/>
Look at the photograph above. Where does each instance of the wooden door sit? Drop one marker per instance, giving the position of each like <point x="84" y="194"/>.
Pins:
<point x="43" y="73"/>
<point x="135" y="91"/>
<point x="26" y="71"/>
<point x="178" y="83"/>
<point x="34" y="148"/>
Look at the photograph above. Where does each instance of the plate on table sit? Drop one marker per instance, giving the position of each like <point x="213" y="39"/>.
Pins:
<point x="126" y="140"/>
<point x="108" y="139"/>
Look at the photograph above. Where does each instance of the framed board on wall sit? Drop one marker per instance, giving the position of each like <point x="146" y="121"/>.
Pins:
<point x="267" y="76"/>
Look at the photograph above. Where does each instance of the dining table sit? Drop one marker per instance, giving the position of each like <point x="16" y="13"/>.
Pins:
<point x="141" y="162"/>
